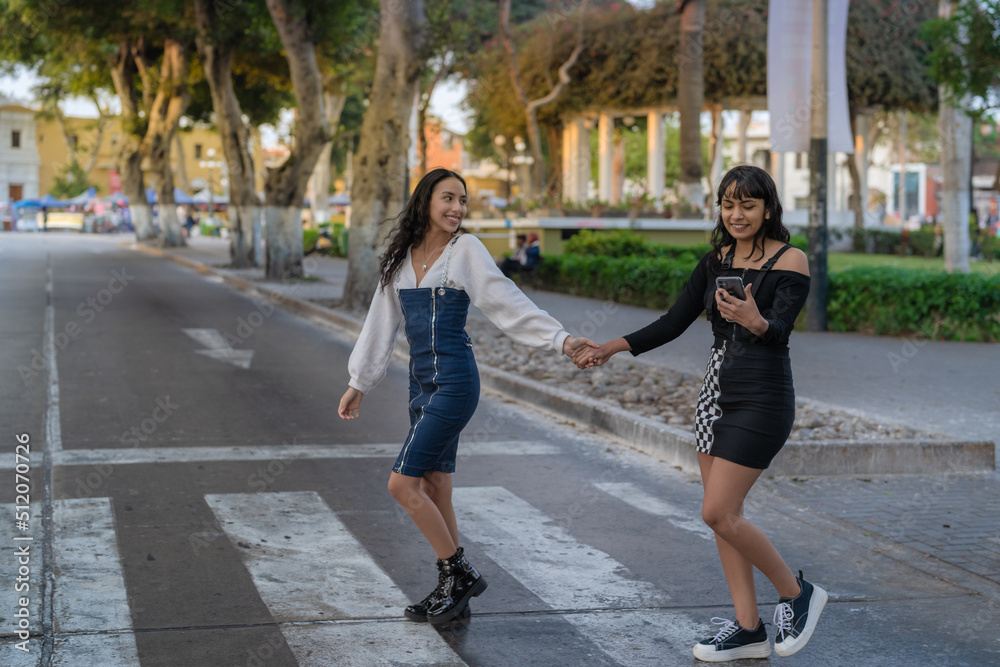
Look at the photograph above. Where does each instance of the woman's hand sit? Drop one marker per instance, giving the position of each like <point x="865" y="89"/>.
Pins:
<point x="742" y="311"/>
<point x="585" y="357"/>
<point x="350" y="403"/>
<point x="572" y="346"/>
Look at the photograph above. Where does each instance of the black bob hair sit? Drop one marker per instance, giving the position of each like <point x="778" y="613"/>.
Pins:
<point x="742" y="182"/>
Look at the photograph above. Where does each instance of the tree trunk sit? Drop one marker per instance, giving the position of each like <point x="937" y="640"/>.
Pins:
<point x="857" y="165"/>
<point x="334" y="105"/>
<point x="285" y="187"/>
<point x="423" y="104"/>
<point x="956" y="202"/>
<point x="378" y="191"/>
<point x="123" y="71"/>
<point x="244" y="207"/>
<point x="553" y="134"/>
<point x="172" y="97"/>
<point x="183" y="182"/>
<point x="690" y="100"/>
<point x="537" y="181"/>
<point x="955" y="127"/>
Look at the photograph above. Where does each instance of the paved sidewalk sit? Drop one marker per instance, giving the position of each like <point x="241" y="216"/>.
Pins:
<point x="946" y="525"/>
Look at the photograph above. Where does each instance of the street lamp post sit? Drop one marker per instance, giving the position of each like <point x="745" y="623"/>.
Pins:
<point x="523" y="162"/>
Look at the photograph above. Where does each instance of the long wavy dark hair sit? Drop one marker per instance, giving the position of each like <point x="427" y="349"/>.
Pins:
<point x="745" y="181"/>
<point x="412" y="223"/>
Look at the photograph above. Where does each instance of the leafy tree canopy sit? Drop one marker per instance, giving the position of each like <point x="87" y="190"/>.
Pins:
<point x="631" y="61"/>
<point x="966" y="54"/>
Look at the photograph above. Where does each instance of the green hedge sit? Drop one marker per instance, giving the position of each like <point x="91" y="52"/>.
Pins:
<point x="629" y="244"/>
<point x="650" y="282"/>
<point x="881" y="300"/>
<point x="957" y="306"/>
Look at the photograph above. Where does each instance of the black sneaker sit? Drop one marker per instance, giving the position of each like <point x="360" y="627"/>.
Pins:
<point x="796" y="618"/>
<point x="733" y="642"/>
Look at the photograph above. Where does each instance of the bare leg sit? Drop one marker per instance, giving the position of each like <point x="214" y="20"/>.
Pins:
<point x="742" y="546"/>
<point x="437" y="486"/>
<point x="408" y="493"/>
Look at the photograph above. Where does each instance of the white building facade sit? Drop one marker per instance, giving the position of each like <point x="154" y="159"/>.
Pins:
<point x="19" y="160"/>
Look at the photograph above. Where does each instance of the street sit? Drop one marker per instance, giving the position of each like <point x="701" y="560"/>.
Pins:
<point x="195" y="501"/>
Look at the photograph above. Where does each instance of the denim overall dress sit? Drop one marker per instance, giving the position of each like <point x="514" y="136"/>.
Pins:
<point x="444" y="379"/>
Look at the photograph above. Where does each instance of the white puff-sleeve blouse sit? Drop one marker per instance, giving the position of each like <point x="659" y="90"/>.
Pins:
<point x="472" y="269"/>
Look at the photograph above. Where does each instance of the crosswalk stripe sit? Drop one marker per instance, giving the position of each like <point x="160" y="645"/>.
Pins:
<point x="134" y="455"/>
<point x="647" y="502"/>
<point x="366" y="644"/>
<point x="308" y="567"/>
<point x="550" y="562"/>
<point x="12" y="589"/>
<point x="93" y="625"/>
<point x="90" y="587"/>
<point x="567" y="574"/>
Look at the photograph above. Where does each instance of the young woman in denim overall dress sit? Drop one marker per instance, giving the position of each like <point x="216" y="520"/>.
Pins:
<point x="430" y="275"/>
<point x="747" y="403"/>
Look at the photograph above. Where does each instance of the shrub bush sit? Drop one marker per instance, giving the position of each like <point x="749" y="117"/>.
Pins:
<point x="880" y="300"/>
<point x="885" y="300"/>
<point x="624" y="243"/>
<point x="923" y="243"/>
<point x="309" y="238"/>
<point x="651" y="282"/>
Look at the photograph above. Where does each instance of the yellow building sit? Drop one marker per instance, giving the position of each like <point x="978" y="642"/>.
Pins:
<point x="196" y="154"/>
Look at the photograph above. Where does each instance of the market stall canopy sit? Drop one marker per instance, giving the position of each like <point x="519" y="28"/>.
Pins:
<point x="180" y="197"/>
<point x="203" y="198"/>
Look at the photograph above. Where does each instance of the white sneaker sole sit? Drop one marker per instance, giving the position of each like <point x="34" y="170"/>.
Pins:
<point x="796" y="644"/>
<point x="707" y="653"/>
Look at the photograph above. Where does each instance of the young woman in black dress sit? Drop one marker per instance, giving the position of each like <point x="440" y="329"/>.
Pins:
<point x="746" y="405"/>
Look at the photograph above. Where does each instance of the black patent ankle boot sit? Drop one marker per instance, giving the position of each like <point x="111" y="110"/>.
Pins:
<point x="458" y="582"/>
<point x="418" y="611"/>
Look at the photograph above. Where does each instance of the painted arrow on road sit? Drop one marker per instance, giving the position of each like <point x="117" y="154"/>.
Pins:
<point x="219" y="348"/>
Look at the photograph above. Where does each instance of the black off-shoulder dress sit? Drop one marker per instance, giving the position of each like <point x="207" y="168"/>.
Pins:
<point x="747" y="402"/>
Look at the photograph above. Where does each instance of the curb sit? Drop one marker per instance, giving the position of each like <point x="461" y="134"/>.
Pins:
<point x="673" y="446"/>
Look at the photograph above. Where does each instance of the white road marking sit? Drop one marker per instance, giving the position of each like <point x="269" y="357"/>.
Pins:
<point x="366" y="644"/>
<point x="90" y="587"/>
<point x="567" y="574"/>
<point x="308" y="567"/>
<point x="12" y="589"/>
<point x="92" y="621"/>
<point x="281" y="453"/>
<point x="53" y="428"/>
<point x="219" y="348"/>
<point x="550" y="562"/>
<point x="636" y="497"/>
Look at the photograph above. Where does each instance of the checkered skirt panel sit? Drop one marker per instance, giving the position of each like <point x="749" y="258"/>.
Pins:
<point x="708" y="403"/>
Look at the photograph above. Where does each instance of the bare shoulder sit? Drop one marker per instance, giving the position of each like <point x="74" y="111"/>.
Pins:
<point x="793" y="259"/>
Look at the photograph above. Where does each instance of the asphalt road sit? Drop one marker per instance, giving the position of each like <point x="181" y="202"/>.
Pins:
<point x="197" y="505"/>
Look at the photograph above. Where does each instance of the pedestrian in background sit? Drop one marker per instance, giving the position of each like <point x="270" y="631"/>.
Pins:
<point x="511" y="265"/>
<point x="429" y="276"/>
<point x="747" y="403"/>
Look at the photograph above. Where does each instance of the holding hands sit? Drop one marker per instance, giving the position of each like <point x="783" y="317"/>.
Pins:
<point x="572" y="346"/>
<point x="585" y="357"/>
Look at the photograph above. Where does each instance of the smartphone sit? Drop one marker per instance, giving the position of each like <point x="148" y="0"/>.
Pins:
<point x="733" y="285"/>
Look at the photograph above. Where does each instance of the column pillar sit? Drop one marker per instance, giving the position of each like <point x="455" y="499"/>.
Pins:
<point x="742" y="135"/>
<point x="582" y="160"/>
<point x="715" y="173"/>
<point x="568" y="154"/>
<point x="605" y="141"/>
<point x="655" y="157"/>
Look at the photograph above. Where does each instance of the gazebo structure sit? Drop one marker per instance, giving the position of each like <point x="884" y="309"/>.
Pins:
<point x="576" y="153"/>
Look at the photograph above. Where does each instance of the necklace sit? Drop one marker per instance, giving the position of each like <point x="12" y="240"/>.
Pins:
<point x="423" y="267"/>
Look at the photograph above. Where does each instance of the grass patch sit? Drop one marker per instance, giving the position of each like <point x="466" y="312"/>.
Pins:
<point x="842" y="261"/>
